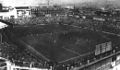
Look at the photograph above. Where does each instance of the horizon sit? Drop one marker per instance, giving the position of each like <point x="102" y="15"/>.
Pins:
<point x="59" y="2"/>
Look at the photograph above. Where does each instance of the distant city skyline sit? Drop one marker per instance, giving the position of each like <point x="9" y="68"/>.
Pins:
<point x="37" y="2"/>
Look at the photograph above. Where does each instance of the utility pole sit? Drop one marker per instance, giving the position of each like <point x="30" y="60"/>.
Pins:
<point x="48" y="2"/>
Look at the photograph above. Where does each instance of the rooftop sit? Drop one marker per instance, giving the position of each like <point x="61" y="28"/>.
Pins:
<point x="25" y="7"/>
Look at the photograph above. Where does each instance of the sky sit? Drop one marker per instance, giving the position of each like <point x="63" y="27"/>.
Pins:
<point x="36" y="2"/>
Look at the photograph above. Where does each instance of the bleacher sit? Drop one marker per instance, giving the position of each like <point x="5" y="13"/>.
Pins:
<point x="20" y="56"/>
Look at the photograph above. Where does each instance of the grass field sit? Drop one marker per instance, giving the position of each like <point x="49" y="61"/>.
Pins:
<point x="59" y="43"/>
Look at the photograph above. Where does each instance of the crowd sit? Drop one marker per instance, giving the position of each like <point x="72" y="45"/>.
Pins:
<point x="81" y="62"/>
<point x="21" y="56"/>
<point x="25" y="58"/>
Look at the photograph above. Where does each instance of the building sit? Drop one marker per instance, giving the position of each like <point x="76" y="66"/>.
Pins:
<point x="8" y="13"/>
<point x="14" y="13"/>
<point x="23" y="12"/>
<point x="44" y="11"/>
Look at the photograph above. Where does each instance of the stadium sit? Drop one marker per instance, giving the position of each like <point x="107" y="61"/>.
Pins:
<point x="59" y="45"/>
